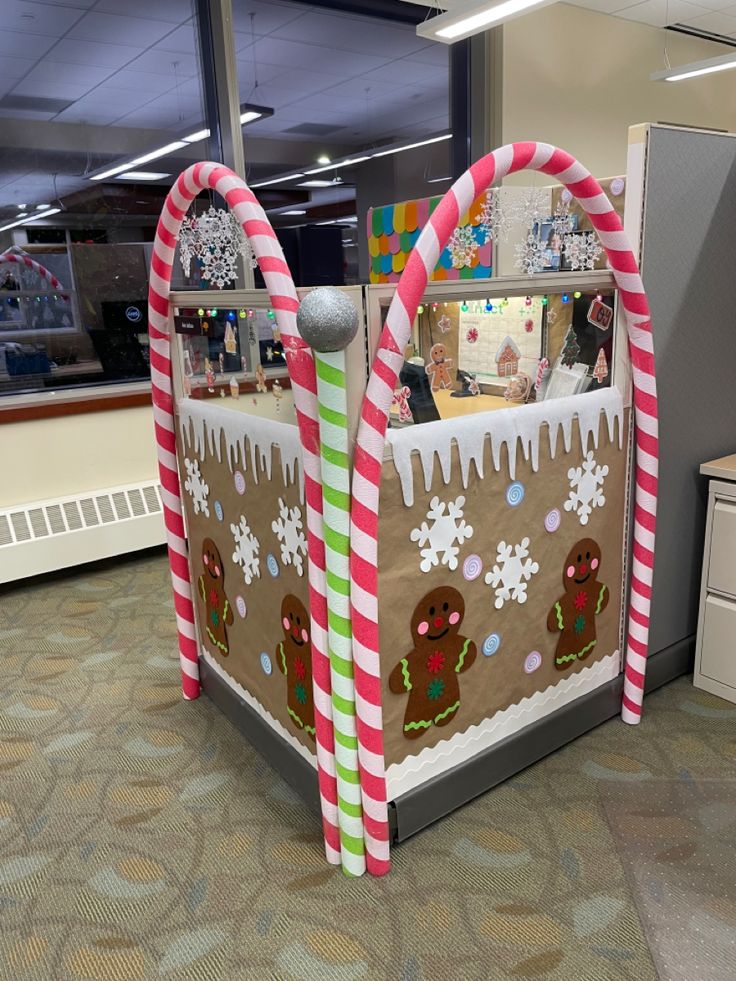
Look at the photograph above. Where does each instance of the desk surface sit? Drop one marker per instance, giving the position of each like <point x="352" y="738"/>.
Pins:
<point x="450" y="408"/>
<point x="725" y="468"/>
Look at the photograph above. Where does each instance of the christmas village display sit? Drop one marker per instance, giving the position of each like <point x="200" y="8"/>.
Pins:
<point x="392" y="601"/>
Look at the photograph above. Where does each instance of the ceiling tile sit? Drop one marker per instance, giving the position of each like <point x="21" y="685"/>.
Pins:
<point x="347" y="32"/>
<point x="716" y="21"/>
<point x="51" y="73"/>
<point x="173" y="11"/>
<point x="182" y="40"/>
<point x="74" y="51"/>
<point x="38" y="18"/>
<point x="60" y="90"/>
<point x="433" y="54"/>
<point x="29" y="45"/>
<point x="605" y="6"/>
<point x="14" y="67"/>
<point x="290" y="54"/>
<point x="138" y="81"/>
<point x="136" y="31"/>
<point x="404" y="70"/>
<point x="162" y="63"/>
<point x="658" y="13"/>
<point x="269" y="15"/>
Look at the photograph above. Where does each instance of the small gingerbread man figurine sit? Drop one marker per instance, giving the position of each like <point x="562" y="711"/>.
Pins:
<point x="439" y="376"/>
<point x="261" y="385"/>
<point x="294" y="658"/>
<point x="574" y="613"/>
<point x="430" y="672"/>
<point x="218" y="611"/>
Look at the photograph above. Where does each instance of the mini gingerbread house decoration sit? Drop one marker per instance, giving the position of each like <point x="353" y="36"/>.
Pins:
<point x="507" y="358"/>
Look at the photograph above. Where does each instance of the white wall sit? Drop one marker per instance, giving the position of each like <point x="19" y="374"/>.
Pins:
<point x="579" y="79"/>
<point x="49" y="458"/>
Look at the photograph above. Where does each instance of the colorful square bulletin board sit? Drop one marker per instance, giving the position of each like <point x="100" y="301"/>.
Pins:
<point x="394" y="228"/>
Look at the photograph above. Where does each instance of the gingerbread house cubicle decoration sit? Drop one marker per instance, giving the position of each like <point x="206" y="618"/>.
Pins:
<point x="381" y="610"/>
<point x="507" y="358"/>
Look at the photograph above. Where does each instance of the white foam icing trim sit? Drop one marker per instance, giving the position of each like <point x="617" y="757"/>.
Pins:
<point x="202" y="425"/>
<point x="257" y="707"/>
<point x="431" y="762"/>
<point x="519" y="423"/>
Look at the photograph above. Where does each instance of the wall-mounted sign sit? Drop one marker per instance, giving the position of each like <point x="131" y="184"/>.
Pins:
<point x="188" y="325"/>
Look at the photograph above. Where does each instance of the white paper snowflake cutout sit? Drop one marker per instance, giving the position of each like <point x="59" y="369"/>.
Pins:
<point x="291" y="538"/>
<point x="530" y="255"/>
<point x="582" y="251"/>
<point x="246" y="550"/>
<point x="196" y="487"/>
<point x="462" y="246"/>
<point x="586" y="488"/>
<point x="513" y="570"/>
<point x="443" y="538"/>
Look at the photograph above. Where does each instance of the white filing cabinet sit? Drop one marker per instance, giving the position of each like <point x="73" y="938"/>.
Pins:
<point x="715" y="650"/>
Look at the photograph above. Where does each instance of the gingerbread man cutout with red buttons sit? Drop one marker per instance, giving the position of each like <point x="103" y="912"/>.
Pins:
<point x="439" y="376"/>
<point x="218" y="611"/>
<point x="430" y="672"/>
<point x="574" y="613"/>
<point x="294" y="658"/>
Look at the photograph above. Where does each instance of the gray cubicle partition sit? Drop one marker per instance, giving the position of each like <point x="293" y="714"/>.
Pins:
<point x="689" y="272"/>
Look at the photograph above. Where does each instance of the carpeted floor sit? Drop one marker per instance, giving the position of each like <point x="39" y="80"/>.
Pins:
<point x="141" y="838"/>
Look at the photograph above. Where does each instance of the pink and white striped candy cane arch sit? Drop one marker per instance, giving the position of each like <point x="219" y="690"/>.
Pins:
<point x="21" y="259"/>
<point x="243" y="203"/>
<point x="509" y="159"/>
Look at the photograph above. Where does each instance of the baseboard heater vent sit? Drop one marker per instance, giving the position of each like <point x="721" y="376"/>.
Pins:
<point x="48" y="535"/>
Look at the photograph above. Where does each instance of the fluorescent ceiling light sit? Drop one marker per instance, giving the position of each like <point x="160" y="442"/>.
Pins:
<point x="324" y="159"/>
<point x="313" y="184"/>
<point x="201" y="134"/>
<point x="284" y="213"/>
<point x="42" y="207"/>
<point x="320" y="170"/>
<point x="145" y="158"/>
<point x="249" y="116"/>
<point x="21" y="206"/>
<point x="438" y="180"/>
<point x="695" y="68"/>
<point x="277" y="180"/>
<point x="413" y="146"/>
<point x="141" y="175"/>
<point x="471" y="18"/>
<point x="22" y="214"/>
<point x="36" y="217"/>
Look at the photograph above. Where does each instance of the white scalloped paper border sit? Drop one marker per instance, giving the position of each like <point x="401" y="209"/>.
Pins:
<point x="257" y="707"/>
<point x="434" y="760"/>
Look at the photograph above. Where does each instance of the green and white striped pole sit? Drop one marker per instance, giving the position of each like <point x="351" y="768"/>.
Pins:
<point x="328" y="321"/>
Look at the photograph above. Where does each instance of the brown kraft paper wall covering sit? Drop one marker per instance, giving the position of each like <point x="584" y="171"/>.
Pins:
<point x="261" y="630"/>
<point x="493" y="683"/>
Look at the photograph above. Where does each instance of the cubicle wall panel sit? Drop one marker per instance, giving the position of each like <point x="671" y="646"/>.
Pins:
<point x="688" y="272"/>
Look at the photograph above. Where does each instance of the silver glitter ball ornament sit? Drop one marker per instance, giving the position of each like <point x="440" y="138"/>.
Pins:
<point x="327" y="319"/>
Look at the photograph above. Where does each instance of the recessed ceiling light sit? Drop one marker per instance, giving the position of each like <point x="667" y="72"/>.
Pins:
<point x="21" y="206"/>
<point x="141" y="175"/>
<point x="22" y="214"/>
<point x="313" y="184"/>
<point x="324" y="159"/>
<point x="284" y="213"/>
<point x="42" y="207"/>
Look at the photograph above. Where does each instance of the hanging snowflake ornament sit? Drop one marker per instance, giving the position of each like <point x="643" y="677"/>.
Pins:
<point x="563" y="223"/>
<point x="582" y="250"/>
<point x="196" y="487"/>
<point x="216" y="239"/>
<point x="531" y="207"/>
<point x="530" y="255"/>
<point x="444" y="323"/>
<point x="495" y="220"/>
<point x="586" y="488"/>
<point x="442" y="539"/>
<point x="246" y="550"/>
<point x="513" y="570"/>
<point x="463" y="246"/>
<point x="288" y="529"/>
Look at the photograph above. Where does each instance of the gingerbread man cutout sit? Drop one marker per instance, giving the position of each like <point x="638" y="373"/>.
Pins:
<point x="218" y="611"/>
<point x="574" y="613"/>
<point x="294" y="658"/>
<point x="430" y="672"/>
<point x="439" y="376"/>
